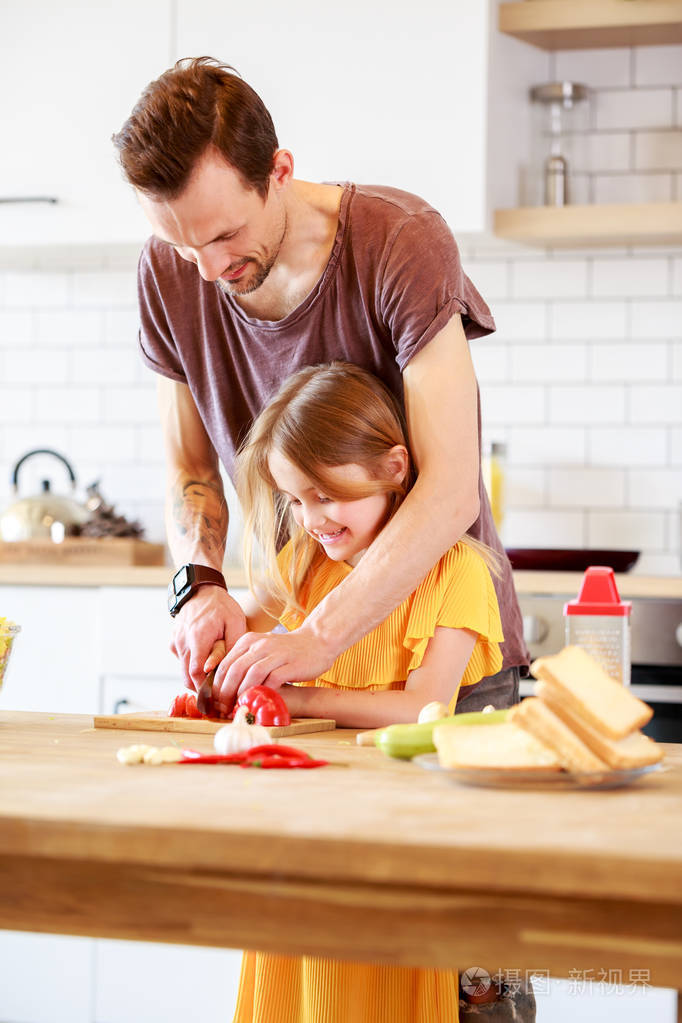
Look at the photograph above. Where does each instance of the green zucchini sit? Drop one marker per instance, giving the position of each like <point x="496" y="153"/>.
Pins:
<point x="408" y="741"/>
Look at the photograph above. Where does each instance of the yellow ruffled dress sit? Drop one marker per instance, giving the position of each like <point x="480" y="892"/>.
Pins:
<point x="457" y="593"/>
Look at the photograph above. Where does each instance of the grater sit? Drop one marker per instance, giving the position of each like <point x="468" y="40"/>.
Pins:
<point x="599" y="622"/>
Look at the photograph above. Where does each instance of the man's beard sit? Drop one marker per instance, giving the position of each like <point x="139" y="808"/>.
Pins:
<point x="246" y="287"/>
<point x="251" y="283"/>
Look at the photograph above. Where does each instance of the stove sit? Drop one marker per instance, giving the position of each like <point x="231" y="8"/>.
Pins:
<point x="656" y="649"/>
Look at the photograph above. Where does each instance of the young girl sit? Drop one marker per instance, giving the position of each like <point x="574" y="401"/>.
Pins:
<point x="325" y="466"/>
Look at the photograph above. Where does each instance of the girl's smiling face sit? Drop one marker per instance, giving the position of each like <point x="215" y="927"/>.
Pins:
<point x="345" y="529"/>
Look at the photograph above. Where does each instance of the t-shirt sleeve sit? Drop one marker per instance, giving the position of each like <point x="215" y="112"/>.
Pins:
<point x="155" y="338"/>
<point x="423" y="286"/>
<point x="458" y="594"/>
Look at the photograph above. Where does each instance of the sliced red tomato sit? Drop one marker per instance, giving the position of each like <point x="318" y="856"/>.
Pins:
<point x="178" y="706"/>
<point x="191" y="709"/>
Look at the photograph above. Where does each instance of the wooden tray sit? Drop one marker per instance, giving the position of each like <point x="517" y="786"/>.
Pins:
<point x="158" y="721"/>
<point x="83" y="551"/>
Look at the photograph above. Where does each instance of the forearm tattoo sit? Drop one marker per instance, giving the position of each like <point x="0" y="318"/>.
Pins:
<point x="200" y="514"/>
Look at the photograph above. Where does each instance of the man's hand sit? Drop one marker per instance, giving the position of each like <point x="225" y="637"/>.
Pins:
<point x="270" y="659"/>
<point x="211" y="616"/>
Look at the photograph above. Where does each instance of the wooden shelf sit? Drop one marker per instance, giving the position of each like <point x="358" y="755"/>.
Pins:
<point x="591" y="24"/>
<point x="651" y="223"/>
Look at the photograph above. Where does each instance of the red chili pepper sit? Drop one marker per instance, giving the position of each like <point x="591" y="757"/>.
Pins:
<point x="265" y="756"/>
<point x="265" y="706"/>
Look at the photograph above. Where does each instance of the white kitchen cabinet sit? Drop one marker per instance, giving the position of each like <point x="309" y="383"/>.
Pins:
<point x="53" y="665"/>
<point x="430" y="98"/>
<point x="45" y="978"/>
<point x="69" y="76"/>
<point x="164" y="983"/>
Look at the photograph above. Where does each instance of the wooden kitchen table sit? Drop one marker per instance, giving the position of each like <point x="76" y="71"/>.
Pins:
<point x="367" y="859"/>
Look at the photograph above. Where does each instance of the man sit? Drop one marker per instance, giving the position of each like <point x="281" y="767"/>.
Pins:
<point x="290" y="273"/>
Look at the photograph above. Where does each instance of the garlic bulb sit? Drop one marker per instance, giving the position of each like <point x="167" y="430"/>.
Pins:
<point x="238" y="737"/>
<point x="433" y="711"/>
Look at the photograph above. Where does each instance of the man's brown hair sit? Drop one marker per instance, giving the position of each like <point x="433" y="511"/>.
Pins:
<point x="196" y="104"/>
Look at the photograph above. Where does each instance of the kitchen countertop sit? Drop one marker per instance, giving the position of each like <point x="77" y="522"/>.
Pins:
<point x="368" y="858"/>
<point x="527" y="582"/>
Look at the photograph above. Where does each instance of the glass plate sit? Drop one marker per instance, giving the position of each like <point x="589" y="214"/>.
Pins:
<point x="498" y="778"/>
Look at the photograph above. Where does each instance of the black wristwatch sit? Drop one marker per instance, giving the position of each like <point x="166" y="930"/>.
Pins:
<point x="187" y="581"/>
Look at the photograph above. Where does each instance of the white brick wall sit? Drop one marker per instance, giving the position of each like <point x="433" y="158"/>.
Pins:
<point x="583" y="379"/>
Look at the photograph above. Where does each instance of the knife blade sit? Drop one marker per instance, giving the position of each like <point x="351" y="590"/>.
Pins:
<point x="205" y="695"/>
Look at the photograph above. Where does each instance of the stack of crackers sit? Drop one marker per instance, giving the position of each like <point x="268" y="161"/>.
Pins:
<point x="580" y="720"/>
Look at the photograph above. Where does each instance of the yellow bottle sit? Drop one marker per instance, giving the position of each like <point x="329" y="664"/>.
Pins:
<point x="492" y="467"/>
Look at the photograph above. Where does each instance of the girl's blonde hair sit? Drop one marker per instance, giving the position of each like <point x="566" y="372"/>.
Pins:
<point x="322" y="417"/>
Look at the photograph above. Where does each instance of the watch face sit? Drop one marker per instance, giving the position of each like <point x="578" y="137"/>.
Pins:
<point x="180" y="580"/>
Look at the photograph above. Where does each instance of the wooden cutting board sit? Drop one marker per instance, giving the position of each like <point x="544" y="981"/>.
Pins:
<point x="158" y="721"/>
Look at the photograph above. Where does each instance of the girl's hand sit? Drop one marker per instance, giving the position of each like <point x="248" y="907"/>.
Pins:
<point x="271" y="659"/>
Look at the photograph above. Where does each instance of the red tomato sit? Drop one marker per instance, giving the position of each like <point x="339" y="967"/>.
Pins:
<point x="178" y="706"/>
<point x="191" y="709"/>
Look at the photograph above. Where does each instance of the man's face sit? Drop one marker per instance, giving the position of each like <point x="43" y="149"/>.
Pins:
<point x="229" y="231"/>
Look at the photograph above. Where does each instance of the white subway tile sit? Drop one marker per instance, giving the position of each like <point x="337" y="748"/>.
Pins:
<point x="136" y="482"/>
<point x="587" y="320"/>
<point x="632" y="188"/>
<point x="658" y="564"/>
<point x="627" y="445"/>
<point x="63" y="405"/>
<point x="508" y="405"/>
<point x="658" y="65"/>
<point x="33" y="290"/>
<point x="553" y="445"/>
<point x="22" y="437"/>
<point x="657" y="319"/>
<point x="150" y="515"/>
<point x="16" y="328"/>
<point x="16" y="405"/>
<point x="579" y="190"/>
<point x="658" y="150"/>
<point x="626" y="530"/>
<point x="654" y="488"/>
<point x="628" y="361"/>
<point x="548" y="362"/>
<point x="105" y="288"/>
<point x="594" y="68"/>
<point x="73" y="327"/>
<point x="104" y="444"/>
<point x="676" y="445"/>
<point x="37" y="366"/>
<point x="491" y="361"/>
<point x="490" y="278"/>
<point x="558" y="278"/>
<point x="676" y="355"/>
<point x="149" y="443"/>
<point x="130" y="405"/>
<point x="525" y="488"/>
<point x="544" y="528"/>
<point x="633" y="108"/>
<point x="586" y="487"/>
<point x="520" y="321"/>
<point x="106" y="366"/>
<point x="121" y="326"/>
<point x="677" y="276"/>
<point x="656" y="403"/>
<point x="627" y="277"/>
<point x="607" y="151"/>
<point x="587" y="404"/>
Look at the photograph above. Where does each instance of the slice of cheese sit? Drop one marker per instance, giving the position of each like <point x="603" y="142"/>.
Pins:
<point x="495" y="746"/>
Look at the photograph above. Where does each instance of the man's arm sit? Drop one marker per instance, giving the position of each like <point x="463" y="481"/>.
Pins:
<point x="196" y="525"/>
<point x="441" y="403"/>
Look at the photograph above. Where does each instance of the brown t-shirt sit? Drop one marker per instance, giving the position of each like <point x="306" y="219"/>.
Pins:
<point x="392" y="282"/>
